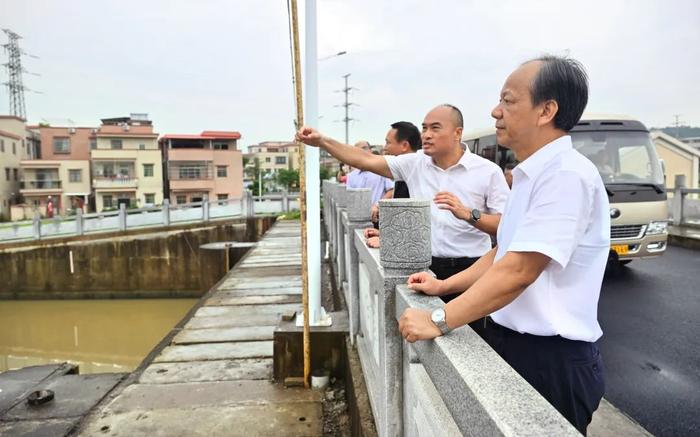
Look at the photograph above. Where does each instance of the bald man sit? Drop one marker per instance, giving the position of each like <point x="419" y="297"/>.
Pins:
<point x="468" y="192"/>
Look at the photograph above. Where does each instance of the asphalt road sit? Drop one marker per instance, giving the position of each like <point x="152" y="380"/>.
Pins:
<point x="650" y="315"/>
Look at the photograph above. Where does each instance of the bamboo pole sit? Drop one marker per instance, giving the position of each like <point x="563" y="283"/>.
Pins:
<point x="302" y="193"/>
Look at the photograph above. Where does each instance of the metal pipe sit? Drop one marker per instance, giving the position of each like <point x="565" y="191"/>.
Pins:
<point x="313" y="182"/>
<point x="302" y="197"/>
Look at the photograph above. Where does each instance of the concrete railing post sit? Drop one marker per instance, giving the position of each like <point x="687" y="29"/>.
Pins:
<point x="405" y="249"/>
<point x="678" y="198"/>
<point x="340" y="203"/>
<point x="79" y="230"/>
<point x="166" y="212"/>
<point x="359" y="204"/>
<point x="205" y="208"/>
<point x="36" y="225"/>
<point x="122" y="216"/>
<point x="333" y="224"/>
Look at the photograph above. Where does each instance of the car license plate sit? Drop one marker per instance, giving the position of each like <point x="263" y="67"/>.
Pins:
<point x="621" y="249"/>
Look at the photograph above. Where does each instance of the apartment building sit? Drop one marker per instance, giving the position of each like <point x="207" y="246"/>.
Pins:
<point x="57" y="169"/>
<point x="126" y="163"/>
<point x="274" y="155"/>
<point x="12" y="151"/>
<point x="206" y="164"/>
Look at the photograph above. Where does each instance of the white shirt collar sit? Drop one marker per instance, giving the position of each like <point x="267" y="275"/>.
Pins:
<point x="535" y="163"/>
<point x="465" y="161"/>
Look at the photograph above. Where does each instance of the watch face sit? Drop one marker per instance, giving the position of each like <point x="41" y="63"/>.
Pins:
<point x="438" y="315"/>
<point x="476" y="214"/>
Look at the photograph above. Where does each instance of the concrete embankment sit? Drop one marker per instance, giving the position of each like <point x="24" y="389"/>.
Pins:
<point x="165" y="262"/>
<point x="212" y="374"/>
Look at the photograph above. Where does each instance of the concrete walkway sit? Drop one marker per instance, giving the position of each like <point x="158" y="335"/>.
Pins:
<point x="215" y="376"/>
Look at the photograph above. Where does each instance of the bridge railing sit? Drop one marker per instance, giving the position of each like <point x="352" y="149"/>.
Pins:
<point x="454" y="385"/>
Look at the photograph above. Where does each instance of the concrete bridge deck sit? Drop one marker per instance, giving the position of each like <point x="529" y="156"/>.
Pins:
<point x="214" y="378"/>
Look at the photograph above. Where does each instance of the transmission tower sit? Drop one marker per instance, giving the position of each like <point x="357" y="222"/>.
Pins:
<point x="347" y="105"/>
<point x="14" y="68"/>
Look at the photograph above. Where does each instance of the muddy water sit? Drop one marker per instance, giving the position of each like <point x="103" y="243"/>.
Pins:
<point x="98" y="335"/>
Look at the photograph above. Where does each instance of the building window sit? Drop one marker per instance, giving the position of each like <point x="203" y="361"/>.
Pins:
<point x="61" y="145"/>
<point x="75" y="175"/>
<point x="181" y="199"/>
<point x="281" y="160"/>
<point x="107" y="201"/>
<point x="222" y="197"/>
<point x="14" y="148"/>
<point x="15" y="172"/>
<point x="150" y="198"/>
<point x="93" y="143"/>
<point x="142" y="147"/>
<point x="148" y="170"/>
<point x="268" y="159"/>
<point x="220" y="146"/>
<point x="2" y="146"/>
<point x="221" y="171"/>
<point x="116" y="144"/>
<point x="7" y="173"/>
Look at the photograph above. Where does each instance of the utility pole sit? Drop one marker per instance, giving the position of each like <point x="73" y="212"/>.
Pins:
<point x="14" y="68"/>
<point x="347" y="105"/>
<point x="677" y="123"/>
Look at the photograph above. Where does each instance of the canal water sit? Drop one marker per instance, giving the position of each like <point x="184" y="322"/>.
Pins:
<point x="98" y="335"/>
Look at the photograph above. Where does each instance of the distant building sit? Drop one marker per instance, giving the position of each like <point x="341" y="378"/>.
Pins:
<point x="274" y="155"/>
<point x="127" y="165"/>
<point x="58" y="169"/>
<point x="206" y="164"/>
<point x="13" y="147"/>
<point x="679" y="158"/>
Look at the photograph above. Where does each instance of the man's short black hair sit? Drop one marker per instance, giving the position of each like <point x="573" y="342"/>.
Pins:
<point x="565" y="81"/>
<point x="407" y="131"/>
<point x="456" y="115"/>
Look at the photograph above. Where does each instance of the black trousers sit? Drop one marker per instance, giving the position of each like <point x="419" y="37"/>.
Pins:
<point x="446" y="267"/>
<point x="568" y="373"/>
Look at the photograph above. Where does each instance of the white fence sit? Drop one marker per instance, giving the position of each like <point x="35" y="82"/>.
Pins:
<point x="163" y="215"/>
<point x="453" y="385"/>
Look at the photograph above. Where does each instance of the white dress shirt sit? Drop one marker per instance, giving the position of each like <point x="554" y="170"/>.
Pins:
<point x="477" y="182"/>
<point x="558" y="207"/>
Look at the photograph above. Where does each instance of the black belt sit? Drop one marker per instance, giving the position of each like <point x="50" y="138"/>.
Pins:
<point x="452" y="262"/>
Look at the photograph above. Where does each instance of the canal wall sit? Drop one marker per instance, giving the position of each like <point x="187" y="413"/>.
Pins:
<point x="164" y="262"/>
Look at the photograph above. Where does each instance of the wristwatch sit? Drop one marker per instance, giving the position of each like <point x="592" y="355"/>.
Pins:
<point x="438" y="318"/>
<point x="475" y="216"/>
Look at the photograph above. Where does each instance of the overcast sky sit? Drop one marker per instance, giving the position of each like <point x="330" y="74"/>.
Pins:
<point x="225" y="64"/>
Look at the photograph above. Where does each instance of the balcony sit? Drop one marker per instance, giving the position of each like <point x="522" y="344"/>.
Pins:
<point x="115" y="182"/>
<point x="47" y="186"/>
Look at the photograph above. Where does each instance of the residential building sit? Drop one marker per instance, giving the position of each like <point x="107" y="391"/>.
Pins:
<point x="12" y="151"/>
<point x="57" y="168"/>
<point x="274" y="156"/>
<point x="679" y="158"/>
<point x="126" y="163"/>
<point x="206" y="164"/>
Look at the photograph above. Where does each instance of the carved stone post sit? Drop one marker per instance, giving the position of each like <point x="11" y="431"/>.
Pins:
<point x="405" y="248"/>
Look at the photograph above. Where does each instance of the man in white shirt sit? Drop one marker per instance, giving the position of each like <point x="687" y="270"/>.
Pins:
<point x="542" y="282"/>
<point x="468" y="191"/>
<point x="382" y="188"/>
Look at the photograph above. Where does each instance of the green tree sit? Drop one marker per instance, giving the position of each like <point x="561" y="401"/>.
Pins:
<point x="324" y="173"/>
<point x="288" y="178"/>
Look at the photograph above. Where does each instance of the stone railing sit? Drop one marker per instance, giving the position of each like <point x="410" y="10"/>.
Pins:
<point x="454" y="385"/>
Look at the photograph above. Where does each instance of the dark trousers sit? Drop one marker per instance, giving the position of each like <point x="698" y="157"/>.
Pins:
<point x="446" y="267"/>
<point x="568" y="373"/>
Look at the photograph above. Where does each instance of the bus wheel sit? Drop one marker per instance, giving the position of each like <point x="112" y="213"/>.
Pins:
<point x="624" y="262"/>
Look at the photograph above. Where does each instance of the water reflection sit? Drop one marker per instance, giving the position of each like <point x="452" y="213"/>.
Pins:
<point x="99" y="335"/>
